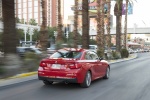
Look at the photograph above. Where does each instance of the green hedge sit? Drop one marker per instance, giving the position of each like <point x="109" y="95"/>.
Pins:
<point x="124" y="53"/>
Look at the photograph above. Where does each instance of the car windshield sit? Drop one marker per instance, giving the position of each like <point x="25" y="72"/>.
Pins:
<point x="66" y="54"/>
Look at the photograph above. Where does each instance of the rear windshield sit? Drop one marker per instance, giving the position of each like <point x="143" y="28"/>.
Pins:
<point x="66" y="54"/>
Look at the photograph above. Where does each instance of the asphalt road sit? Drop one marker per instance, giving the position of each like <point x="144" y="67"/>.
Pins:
<point x="130" y="80"/>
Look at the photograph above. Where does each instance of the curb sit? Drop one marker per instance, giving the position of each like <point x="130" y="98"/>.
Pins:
<point x="125" y="59"/>
<point x="23" y="75"/>
<point x="20" y="75"/>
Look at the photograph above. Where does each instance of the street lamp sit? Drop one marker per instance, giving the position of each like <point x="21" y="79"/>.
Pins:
<point x="25" y="35"/>
<point x="67" y="35"/>
<point x="31" y="33"/>
<point x="55" y="34"/>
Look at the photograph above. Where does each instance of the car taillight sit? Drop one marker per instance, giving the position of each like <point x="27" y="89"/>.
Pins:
<point x="74" y="66"/>
<point x="43" y="64"/>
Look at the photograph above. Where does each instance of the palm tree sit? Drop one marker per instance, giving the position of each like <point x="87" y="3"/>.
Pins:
<point x="125" y="24"/>
<point x="10" y="39"/>
<point x="100" y="27"/>
<point x="118" y="14"/>
<point x="108" y="24"/>
<point x="76" y="24"/>
<point x="85" y="24"/>
<point x="59" y="27"/>
<point x="43" y="32"/>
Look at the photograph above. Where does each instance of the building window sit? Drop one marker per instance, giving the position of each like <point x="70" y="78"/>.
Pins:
<point x="30" y="10"/>
<point x="25" y="5"/>
<point x="29" y="4"/>
<point x="35" y="9"/>
<point x="35" y="3"/>
<point x="35" y="15"/>
<point x="19" y="6"/>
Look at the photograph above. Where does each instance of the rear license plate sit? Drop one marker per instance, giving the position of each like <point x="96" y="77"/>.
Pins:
<point x="56" y="66"/>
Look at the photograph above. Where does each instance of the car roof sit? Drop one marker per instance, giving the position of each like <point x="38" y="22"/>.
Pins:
<point x="73" y="49"/>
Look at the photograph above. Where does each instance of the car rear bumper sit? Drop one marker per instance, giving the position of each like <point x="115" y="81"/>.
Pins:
<point x="69" y="80"/>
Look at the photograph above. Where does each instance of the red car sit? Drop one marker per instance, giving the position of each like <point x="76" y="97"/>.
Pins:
<point x="73" y="66"/>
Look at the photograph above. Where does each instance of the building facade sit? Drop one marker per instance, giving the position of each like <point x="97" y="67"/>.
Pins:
<point x="31" y="9"/>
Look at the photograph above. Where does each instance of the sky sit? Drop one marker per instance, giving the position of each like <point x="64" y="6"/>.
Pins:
<point x="140" y="16"/>
<point x="67" y="8"/>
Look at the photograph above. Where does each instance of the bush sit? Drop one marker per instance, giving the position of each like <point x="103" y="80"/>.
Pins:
<point x="124" y="53"/>
<point x="2" y="70"/>
<point x="116" y="55"/>
<point x="100" y="53"/>
<point x="30" y="62"/>
<point x="31" y="55"/>
<point x="59" y="45"/>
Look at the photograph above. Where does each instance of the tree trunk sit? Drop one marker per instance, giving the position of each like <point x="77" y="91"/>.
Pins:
<point x="76" y="24"/>
<point x="118" y="14"/>
<point x="9" y="39"/>
<point x="118" y="33"/>
<point x="125" y="25"/>
<point x="43" y="31"/>
<point x="100" y="27"/>
<point x="108" y="24"/>
<point x="59" y="27"/>
<point x="85" y="24"/>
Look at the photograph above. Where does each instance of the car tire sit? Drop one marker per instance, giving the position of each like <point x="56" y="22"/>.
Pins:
<point x="87" y="80"/>
<point x="107" y="73"/>
<point x="47" y="82"/>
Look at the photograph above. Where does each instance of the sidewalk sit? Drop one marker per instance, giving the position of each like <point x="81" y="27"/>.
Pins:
<point x="33" y="75"/>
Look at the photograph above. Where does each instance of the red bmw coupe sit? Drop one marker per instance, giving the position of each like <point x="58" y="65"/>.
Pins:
<point x="73" y="66"/>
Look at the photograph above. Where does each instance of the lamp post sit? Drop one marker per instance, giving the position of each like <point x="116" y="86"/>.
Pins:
<point x="25" y="35"/>
<point x="67" y="35"/>
<point x="55" y="34"/>
<point x="31" y="33"/>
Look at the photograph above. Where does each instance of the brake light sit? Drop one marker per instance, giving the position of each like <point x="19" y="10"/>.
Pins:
<point x="43" y="64"/>
<point x="74" y="66"/>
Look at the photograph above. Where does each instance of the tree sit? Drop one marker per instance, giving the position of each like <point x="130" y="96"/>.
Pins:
<point x="43" y="32"/>
<point x="59" y="27"/>
<point x="76" y="24"/>
<point x="32" y="22"/>
<point x="85" y="24"/>
<point x="118" y="14"/>
<point x="10" y="39"/>
<point x="17" y="20"/>
<point x="100" y="27"/>
<point x="125" y="22"/>
<point x="20" y="34"/>
<point x="108" y="24"/>
<point x="22" y="21"/>
<point x="125" y="25"/>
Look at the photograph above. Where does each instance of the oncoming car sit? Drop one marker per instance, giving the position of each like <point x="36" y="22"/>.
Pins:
<point x="73" y="66"/>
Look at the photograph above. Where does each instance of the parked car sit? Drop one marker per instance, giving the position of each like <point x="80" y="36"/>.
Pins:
<point x="73" y="65"/>
<point x="23" y="50"/>
<point x="93" y="48"/>
<point x="52" y="49"/>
